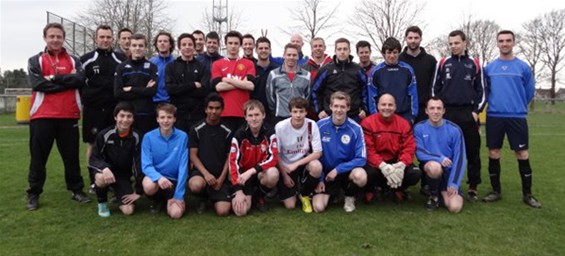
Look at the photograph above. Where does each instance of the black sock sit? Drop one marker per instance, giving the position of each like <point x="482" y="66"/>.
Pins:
<point x="352" y="189"/>
<point x="433" y="185"/>
<point x="526" y="175"/>
<point x="101" y="194"/>
<point x="158" y="198"/>
<point x="308" y="184"/>
<point x="494" y="173"/>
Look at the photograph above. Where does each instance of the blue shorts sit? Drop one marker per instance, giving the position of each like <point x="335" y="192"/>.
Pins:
<point x="515" y="128"/>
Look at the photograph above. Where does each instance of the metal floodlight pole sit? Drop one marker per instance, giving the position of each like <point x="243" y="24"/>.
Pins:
<point x="220" y="16"/>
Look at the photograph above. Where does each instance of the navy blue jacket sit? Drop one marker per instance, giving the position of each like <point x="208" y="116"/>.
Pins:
<point x="399" y="81"/>
<point x="459" y="82"/>
<point x="345" y="76"/>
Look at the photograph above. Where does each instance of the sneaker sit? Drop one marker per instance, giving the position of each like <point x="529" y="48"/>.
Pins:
<point x="531" y="201"/>
<point x="32" y="202"/>
<point x="155" y="207"/>
<point x="92" y="189"/>
<point x="349" y="205"/>
<point x="400" y="196"/>
<point x="81" y="197"/>
<point x="472" y="196"/>
<point x="492" y="196"/>
<point x="432" y="204"/>
<point x="425" y="190"/>
<point x="103" y="210"/>
<point x="306" y="203"/>
<point x="261" y="204"/>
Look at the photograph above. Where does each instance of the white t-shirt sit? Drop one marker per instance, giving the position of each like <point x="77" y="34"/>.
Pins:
<point x="293" y="143"/>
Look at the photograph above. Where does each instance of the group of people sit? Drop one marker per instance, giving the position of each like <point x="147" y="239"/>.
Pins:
<point x="234" y="129"/>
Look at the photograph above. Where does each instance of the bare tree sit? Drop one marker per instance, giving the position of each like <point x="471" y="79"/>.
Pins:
<point x="530" y="45"/>
<point x="315" y="16"/>
<point x="380" y="19"/>
<point x="481" y="38"/>
<point x="552" y="28"/>
<point x="439" y="47"/>
<point x="141" y="16"/>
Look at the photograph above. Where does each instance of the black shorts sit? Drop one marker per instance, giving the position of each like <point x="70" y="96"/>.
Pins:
<point x="515" y="128"/>
<point x="95" y="120"/>
<point x="123" y="186"/>
<point x="222" y="195"/>
<point x="298" y="176"/>
<point x="252" y="186"/>
<point x="444" y="179"/>
<point x="341" y="181"/>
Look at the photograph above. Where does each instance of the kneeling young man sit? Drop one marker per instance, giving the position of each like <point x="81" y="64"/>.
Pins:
<point x="209" y="148"/>
<point x="440" y="148"/>
<point x="300" y="148"/>
<point x="114" y="160"/>
<point x="164" y="159"/>
<point x="252" y="160"/>
<point x="344" y="155"/>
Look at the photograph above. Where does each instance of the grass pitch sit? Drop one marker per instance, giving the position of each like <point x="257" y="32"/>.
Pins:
<point x="508" y="227"/>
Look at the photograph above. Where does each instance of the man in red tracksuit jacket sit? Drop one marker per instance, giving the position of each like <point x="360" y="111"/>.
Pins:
<point x="56" y="78"/>
<point x="390" y="151"/>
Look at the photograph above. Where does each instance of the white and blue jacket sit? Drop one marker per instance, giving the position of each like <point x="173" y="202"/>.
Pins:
<point x="343" y="146"/>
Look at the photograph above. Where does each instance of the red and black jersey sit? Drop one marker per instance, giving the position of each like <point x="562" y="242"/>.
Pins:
<point x="55" y="80"/>
<point x="248" y="151"/>
<point x="239" y="69"/>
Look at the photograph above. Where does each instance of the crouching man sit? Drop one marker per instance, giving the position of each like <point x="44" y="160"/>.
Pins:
<point x="114" y="160"/>
<point x="300" y="148"/>
<point x="440" y="148"/>
<point x="344" y="155"/>
<point x="164" y="159"/>
<point x="252" y="160"/>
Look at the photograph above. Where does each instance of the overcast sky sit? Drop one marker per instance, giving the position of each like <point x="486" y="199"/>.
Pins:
<point x="22" y="21"/>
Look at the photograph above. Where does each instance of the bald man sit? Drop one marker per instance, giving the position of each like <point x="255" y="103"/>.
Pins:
<point x="295" y="39"/>
<point x="390" y="152"/>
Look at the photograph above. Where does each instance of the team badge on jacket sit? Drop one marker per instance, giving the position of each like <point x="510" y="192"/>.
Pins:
<point x="345" y="139"/>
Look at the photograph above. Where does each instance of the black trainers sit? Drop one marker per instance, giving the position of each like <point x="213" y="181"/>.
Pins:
<point x="80" y="197"/>
<point x="432" y="204"/>
<point x="201" y="207"/>
<point x="472" y="196"/>
<point x="32" y="202"/>
<point x="531" y="201"/>
<point x="155" y="207"/>
<point x="492" y="196"/>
